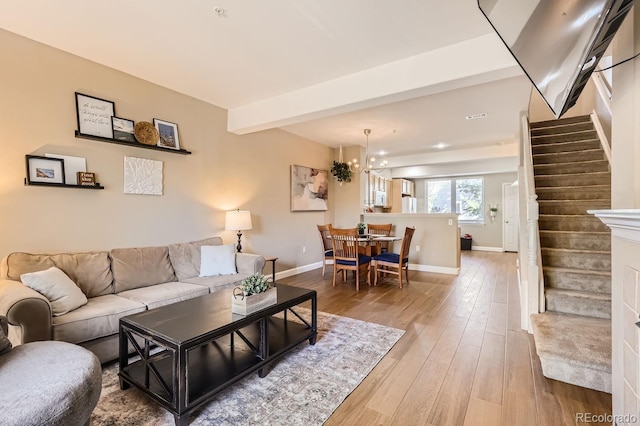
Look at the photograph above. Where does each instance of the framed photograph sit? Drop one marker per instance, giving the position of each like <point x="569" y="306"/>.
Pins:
<point x="123" y="129"/>
<point x="45" y="170"/>
<point x="94" y="116"/>
<point x="309" y="189"/>
<point x="168" y="134"/>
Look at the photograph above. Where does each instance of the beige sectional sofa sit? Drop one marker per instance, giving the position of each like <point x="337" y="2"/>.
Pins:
<point x="116" y="283"/>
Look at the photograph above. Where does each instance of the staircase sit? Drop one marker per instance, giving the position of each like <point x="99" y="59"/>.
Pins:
<point x="573" y="336"/>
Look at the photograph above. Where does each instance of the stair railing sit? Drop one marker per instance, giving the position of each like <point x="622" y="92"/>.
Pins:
<point x="601" y="135"/>
<point x="530" y="259"/>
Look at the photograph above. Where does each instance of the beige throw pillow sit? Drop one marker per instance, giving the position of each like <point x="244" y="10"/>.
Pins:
<point x="63" y="294"/>
<point x="217" y="260"/>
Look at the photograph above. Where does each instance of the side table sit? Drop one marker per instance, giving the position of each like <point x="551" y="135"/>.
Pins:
<point x="273" y="266"/>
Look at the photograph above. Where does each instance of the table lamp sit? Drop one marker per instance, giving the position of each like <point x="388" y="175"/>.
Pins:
<point x="238" y="220"/>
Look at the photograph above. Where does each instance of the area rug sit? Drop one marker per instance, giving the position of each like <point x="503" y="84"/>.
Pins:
<point x="302" y="388"/>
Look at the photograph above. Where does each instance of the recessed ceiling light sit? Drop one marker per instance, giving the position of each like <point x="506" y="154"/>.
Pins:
<point x="381" y="152"/>
<point x="440" y="145"/>
<point x="220" y="11"/>
<point x="474" y="116"/>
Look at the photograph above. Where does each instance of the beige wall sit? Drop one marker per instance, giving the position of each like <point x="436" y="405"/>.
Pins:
<point x="540" y="111"/>
<point x="438" y="240"/>
<point x="225" y="171"/>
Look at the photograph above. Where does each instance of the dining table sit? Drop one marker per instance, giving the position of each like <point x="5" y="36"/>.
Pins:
<point x="370" y="244"/>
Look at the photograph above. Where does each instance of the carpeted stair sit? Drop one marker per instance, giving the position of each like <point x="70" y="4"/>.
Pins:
<point x="573" y="336"/>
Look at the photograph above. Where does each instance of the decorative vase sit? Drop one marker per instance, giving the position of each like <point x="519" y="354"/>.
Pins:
<point x="245" y="305"/>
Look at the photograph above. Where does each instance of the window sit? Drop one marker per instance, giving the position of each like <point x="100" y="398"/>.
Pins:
<point x="462" y="195"/>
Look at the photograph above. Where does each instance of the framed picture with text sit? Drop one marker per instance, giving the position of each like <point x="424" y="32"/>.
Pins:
<point x="94" y="116"/>
<point x="168" y="134"/>
<point x="45" y="170"/>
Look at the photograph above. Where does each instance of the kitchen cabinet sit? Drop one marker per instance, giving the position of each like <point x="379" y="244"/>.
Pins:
<point x="403" y="188"/>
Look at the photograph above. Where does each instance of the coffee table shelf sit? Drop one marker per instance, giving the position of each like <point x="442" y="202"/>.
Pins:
<point x="195" y="364"/>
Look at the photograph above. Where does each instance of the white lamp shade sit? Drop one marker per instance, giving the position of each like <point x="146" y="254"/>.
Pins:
<point x="238" y="220"/>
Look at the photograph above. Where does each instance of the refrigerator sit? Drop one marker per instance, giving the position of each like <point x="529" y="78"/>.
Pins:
<point x="409" y="205"/>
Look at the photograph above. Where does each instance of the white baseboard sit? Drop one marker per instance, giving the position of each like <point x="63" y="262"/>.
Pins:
<point x="481" y="248"/>
<point x="431" y="268"/>
<point x="412" y="266"/>
<point x="298" y="270"/>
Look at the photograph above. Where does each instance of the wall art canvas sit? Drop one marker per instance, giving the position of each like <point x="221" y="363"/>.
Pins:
<point x="142" y="176"/>
<point x="309" y="189"/>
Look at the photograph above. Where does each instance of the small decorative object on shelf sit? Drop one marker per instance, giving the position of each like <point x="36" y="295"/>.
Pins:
<point x="146" y="133"/>
<point x="168" y="134"/>
<point x="255" y="292"/>
<point x="361" y="228"/>
<point x="123" y="129"/>
<point x="86" y="179"/>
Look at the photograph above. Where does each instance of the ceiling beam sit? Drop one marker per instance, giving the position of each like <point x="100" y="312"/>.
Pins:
<point x="467" y="63"/>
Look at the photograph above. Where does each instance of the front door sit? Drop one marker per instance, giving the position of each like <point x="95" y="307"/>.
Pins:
<point x="510" y="217"/>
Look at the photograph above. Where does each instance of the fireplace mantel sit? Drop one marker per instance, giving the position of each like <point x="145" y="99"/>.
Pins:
<point x="624" y="223"/>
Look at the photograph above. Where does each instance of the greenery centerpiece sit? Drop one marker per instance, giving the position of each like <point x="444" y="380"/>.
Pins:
<point x="361" y="228"/>
<point x="254" y="293"/>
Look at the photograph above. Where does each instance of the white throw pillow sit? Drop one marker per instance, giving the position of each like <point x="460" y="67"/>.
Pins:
<point x="63" y="294"/>
<point x="217" y="260"/>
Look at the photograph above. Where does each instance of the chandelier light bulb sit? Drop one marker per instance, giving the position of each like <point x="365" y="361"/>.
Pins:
<point x="369" y="162"/>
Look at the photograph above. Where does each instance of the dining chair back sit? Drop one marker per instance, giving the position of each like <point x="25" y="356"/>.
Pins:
<point x="347" y="256"/>
<point x="394" y="263"/>
<point x="327" y="247"/>
<point x="380" y="229"/>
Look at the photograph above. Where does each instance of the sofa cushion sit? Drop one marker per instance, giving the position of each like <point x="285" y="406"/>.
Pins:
<point x="218" y="282"/>
<point x="62" y="293"/>
<point x="218" y="260"/>
<point x="185" y="257"/>
<point x="140" y="267"/>
<point x="164" y="294"/>
<point x="98" y="318"/>
<point x="90" y="271"/>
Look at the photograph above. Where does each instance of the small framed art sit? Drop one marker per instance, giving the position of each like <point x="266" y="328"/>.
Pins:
<point x="45" y="170"/>
<point x="168" y="134"/>
<point x="94" y="116"/>
<point x="123" y="129"/>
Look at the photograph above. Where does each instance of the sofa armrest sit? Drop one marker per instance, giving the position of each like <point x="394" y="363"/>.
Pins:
<point x="26" y="309"/>
<point x="249" y="263"/>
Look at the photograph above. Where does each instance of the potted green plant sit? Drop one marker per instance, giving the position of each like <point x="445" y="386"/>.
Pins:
<point x="341" y="171"/>
<point x="254" y="293"/>
<point x="493" y="211"/>
<point x="361" y="228"/>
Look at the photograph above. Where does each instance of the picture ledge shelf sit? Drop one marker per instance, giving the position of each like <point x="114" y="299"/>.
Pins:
<point x="62" y="185"/>
<point x="134" y="144"/>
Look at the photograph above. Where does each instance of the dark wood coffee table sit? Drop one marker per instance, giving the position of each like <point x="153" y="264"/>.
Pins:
<point x="189" y="351"/>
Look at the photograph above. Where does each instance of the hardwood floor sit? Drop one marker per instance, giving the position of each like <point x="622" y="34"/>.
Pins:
<point x="463" y="359"/>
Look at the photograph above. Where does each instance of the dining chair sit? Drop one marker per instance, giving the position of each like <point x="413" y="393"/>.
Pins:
<point x="394" y="263"/>
<point x="380" y="229"/>
<point x="327" y="247"/>
<point x="347" y="256"/>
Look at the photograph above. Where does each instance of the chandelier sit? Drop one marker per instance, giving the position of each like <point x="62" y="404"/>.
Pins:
<point x="369" y="162"/>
